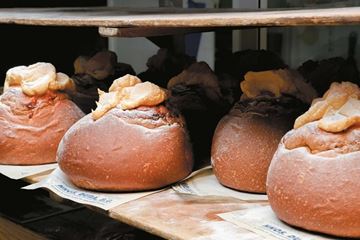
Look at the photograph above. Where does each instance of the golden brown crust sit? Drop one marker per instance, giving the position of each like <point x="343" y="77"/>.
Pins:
<point x="313" y="180"/>
<point x="32" y="127"/>
<point x="126" y="150"/>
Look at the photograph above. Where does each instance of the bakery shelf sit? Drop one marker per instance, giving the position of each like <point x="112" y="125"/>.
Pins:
<point x="149" y="31"/>
<point x="169" y="18"/>
<point x="176" y="216"/>
<point x="166" y="213"/>
<point x="173" y="215"/>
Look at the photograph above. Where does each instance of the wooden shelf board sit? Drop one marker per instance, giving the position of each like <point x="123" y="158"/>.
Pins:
<point x="160" y="17"/>
<point x="148" y="31"/>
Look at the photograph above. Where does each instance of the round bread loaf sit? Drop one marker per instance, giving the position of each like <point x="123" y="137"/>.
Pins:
<point x="313" y="180"/>
<point x="126" y="150"/>
<point x="31" y="127"/>
<point x="246" y="139"/>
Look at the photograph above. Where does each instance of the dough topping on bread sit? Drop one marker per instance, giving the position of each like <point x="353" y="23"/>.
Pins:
<point x="336" y="111"/>
<point x="37" y="79"/>
<point x="125" y="81"/>
<point x="276" y="82"/>
<point x="128" y="92"/>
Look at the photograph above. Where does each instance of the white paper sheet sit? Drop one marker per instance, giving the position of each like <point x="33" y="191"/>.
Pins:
<point x="204" y="183"/>
<point x="58" y="183"/>
<point x="18" y="172"/>
<point x="263" y="221"/>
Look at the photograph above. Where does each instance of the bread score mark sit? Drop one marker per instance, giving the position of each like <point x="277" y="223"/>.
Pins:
<point x="128" y="92"/>
<point x="37" y="79"/>
<point x="336" y="111"/>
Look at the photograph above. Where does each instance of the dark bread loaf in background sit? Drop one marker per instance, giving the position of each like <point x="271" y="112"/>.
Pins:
<point x="164" y="65"/>
<point x="95" y="72"/>
<point x="324" y="72"/>
<point x="196" y="94"/>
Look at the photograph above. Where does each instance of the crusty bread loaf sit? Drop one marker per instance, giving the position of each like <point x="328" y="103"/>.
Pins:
<point x="313" y="180"/>
<point x="245" y="141"/>
<point x="126" y="150"/>
<point x="32" y="127"/>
